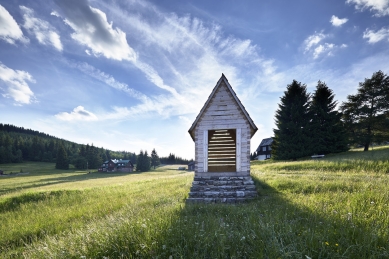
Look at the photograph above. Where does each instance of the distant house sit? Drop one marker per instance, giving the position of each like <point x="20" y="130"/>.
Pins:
<point x="264" y="149"/>
<point x="191" y="166"/>
<point x="114" y="165"/>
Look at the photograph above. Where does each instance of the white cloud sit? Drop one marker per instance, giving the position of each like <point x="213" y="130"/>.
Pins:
<point x="78" y="114"/>
<point x="379" y="7"/>
<point x="374" y="37"/>
<point x="323" y="48"/>
<point x="315" y="46"/>
<point x="108" y="79"/>
<point x="42" y="30"/>
<point x="313" y="40"/>
<point x="9" y="29"/>
<point x="17" y="86"/>
<point x="337" y="22"/>
<point x="180" y="55"/>
<point x="92" y="29"/>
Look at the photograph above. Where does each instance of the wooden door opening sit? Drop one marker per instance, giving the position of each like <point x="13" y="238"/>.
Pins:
<point x="222" y="150"/>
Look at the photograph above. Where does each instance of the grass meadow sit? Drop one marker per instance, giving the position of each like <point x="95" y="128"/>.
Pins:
<point x="336" y="207"/>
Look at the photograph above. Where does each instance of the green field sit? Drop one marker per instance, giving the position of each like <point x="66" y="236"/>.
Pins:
<point x="337" y="207"/>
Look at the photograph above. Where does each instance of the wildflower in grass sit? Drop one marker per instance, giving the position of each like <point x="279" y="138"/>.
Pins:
<point x="327" y="244"/>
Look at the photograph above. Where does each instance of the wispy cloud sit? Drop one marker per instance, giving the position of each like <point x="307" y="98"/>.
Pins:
<point x="337" y="22"/>
<point x="78" y="114"/>
<point x="43" y="31"/>
<point x="107" y="79"/>
<point x="379" y="7"/>
<point x="193" y="53"/>
<point x="322" y="48"/>
<point x="316" y="46"/>
<point x="313" y="40"/>
<point x="9" y="29"/>
<point x="376" y="36"/>
<point x="182" y="55"/>
<point x="16" y="82"/>
<point x="92" y="29"/>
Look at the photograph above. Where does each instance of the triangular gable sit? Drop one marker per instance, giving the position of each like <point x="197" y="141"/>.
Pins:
<point x="240" y="105"/>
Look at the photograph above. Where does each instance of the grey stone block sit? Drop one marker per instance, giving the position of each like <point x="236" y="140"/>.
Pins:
<point x="240" y="194"/>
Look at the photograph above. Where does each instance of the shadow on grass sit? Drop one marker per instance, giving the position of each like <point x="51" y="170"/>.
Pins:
<point x="14" y="203"/>
<point x="77" y="177"/>
<point x="269" y="226"/>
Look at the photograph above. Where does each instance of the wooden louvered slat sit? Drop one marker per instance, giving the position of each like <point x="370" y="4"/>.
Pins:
<point x="221" y="151"/>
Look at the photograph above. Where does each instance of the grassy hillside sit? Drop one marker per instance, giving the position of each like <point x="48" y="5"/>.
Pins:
<point x="337" y="207"/>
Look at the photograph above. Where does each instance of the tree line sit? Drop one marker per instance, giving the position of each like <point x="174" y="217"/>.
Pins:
<point x="308" y="124"/>
<point x="18" y="144"/>
<point x="146" y="162"/>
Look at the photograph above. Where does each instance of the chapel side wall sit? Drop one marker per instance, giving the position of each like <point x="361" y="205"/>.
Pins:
<point x="245" y="151"/>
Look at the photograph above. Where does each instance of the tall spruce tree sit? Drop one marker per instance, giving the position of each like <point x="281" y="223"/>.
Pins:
<point x="143" y="163"/>
<point x="139" y="161"/>
<point x="291" y="137"/>
<point x="327" y="132"/>
<point x="154" y="158"/>
<point x="62" y="161"/>
<point x="366" y="113"/>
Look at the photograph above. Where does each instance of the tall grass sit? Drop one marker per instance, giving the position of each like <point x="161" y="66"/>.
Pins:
<point x="305" y="209"/>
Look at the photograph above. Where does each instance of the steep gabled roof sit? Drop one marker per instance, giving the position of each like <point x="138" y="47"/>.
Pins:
<point x="265" y="142"/>
<point x="247" y="116"/>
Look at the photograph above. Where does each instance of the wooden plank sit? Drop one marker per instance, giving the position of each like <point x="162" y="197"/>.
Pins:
<point x="231" y="112"/>
<point x="238" y="149"/>
<point x="224" y="106"/>
<point x="222" y="98"/>
<point x="205" y="150"/>
<point x="223" y="117"/>
<point x="220" y="122"/>
<point x="223" y="92"/>
<point x="204" y="126"/>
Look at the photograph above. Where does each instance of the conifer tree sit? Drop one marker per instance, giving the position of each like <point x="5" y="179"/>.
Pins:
<point x="327" y="132"/>
<point x="291" y="137"/>
<point x="366" y="113"/>
<point x="139" y="161"/>
<point x="62" y="158"/>
<point x="154" y="158"/>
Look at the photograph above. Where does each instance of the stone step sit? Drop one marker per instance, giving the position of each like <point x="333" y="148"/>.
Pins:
<point x="219" y="182"/>
<point x="197" y="188"/>
<point x="222" y="189"/>
<point x="216" y="200"/>
<point x="217" y="194"/>
<point x="219" y="185"/>
<point x="223" y="178"/>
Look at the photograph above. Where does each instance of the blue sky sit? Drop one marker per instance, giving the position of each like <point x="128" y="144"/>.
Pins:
<point x="132" y="75"/>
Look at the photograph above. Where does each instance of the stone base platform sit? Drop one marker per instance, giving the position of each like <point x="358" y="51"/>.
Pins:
<point x="222" y="189"/>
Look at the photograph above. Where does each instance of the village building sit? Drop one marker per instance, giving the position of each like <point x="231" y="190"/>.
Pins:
<point x="191" y="166"/>
<point x="264" y="149"/>
<point x="222" y="132"/>
<point x="114" y="165"/>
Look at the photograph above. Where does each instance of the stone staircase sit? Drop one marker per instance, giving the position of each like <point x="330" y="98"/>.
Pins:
<point x="215" y="189"/>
